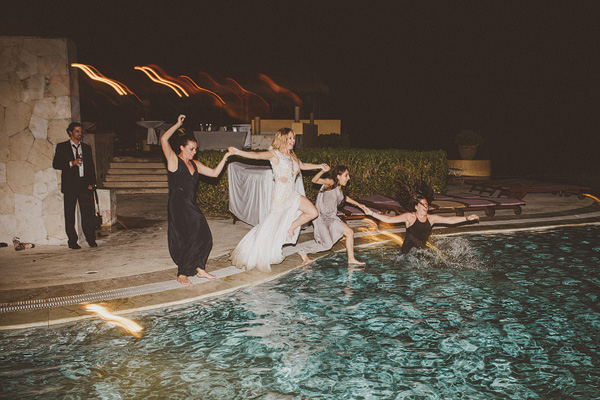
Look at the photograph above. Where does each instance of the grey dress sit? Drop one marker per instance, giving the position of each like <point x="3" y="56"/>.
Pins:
<point x="328" y="227"/>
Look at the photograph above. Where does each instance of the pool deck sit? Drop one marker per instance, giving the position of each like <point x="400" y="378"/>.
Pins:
<point x="131" y="270"/>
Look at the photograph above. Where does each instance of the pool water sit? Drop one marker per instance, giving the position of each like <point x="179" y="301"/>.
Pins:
<point x="513" y="315"/>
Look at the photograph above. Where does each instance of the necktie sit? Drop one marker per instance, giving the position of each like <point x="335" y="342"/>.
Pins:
<point x="78" y="155"/>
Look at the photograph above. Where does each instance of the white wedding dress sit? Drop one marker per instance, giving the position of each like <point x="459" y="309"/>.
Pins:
<point x="262" y="246"/>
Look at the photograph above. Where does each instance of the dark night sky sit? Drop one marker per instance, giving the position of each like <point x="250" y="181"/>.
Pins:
<point x="525" y="74"/>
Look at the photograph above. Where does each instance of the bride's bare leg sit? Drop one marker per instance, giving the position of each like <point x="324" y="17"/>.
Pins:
<point x="203" y="274"/>
<point x="349" y="233"/>
<point x="305" y="258"/>
<point x="309" y="212"/>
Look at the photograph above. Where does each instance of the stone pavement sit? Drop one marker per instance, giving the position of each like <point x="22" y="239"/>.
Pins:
<point x="131" y="269"/>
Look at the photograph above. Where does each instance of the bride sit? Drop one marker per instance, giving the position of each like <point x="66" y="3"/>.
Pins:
<point x="262" y="246"/>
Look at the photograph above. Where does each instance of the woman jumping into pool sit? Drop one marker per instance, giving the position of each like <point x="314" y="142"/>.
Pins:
<point x="328" y="227"/>
<point x="289" y="210"/>
<point x="189" y="237"/>
<point x="418" y="223"/>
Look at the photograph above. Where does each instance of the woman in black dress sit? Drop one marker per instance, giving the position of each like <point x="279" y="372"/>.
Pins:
<point x="190" y="240"/>
<point x="418" y="223"/>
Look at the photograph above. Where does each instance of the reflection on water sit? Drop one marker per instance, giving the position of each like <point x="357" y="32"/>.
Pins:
<point x="501" y="316"/>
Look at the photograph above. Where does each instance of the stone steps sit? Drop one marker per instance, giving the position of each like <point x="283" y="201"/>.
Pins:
<point x="142" y="190"/>
<point x="137" y="165"/>
<point x="139" y="171"/>
<point x="138" y="159"/>
<point x="136" y="178"/>
<point x="132" y="175"/>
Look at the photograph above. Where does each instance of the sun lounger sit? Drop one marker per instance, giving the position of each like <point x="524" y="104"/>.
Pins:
<point x="500" y="202"/>
<point x="469" y="204"/>
<point x="387" y="204"/>
<point x="447" y="204"/>
<point x="384" y="204"/>
<point x="519" y="188"/>
<point x="455" y="171"/>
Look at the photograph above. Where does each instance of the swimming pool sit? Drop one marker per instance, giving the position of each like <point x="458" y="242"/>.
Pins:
<point x="513" y="315"/>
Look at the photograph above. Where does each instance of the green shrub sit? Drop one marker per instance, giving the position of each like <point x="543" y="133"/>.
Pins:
<point x="371" y="171"/>
<point x="378" y="171"/>
<point x="213" y="193"/>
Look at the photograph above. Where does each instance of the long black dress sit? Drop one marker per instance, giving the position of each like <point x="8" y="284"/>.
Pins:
<point x="190" y="240"/>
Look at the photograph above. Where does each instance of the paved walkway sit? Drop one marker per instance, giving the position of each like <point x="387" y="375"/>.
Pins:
<point x="131" y="270"/>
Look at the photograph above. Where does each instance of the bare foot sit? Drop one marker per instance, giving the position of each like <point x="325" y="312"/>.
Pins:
<point x="203" y="274"/>
<point x="305" y="258"/>
<point x="354" y="261"/>
<point x="184" y="280"/>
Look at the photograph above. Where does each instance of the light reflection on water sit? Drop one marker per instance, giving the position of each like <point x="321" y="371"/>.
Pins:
<point x="502" y="316"/>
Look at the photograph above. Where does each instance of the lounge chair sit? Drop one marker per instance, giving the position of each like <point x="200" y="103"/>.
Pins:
<point x="455" y="171"/>
<point x="518" y="188"/>
<point x="384" y="204"/>
<point x="500" y="202"/>
<point x="387" y="205"/>
<point x="468" y="204"/>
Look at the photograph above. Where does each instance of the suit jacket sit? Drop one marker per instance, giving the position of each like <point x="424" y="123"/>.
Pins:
<point x="70" y="180"/>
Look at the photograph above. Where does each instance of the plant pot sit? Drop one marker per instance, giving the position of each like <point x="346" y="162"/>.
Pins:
<point x="467" y="152"/>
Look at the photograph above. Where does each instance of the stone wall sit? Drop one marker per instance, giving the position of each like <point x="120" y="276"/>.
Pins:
<point x="39" y="97"/>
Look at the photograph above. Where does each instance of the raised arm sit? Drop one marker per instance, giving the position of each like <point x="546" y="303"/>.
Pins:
<point x="307" y="166"/>
<point x="322" y="181"/>
<point x="434" y="218"/>
<point x="396" y="219"/>
<point x="216" y="171"/>
<point x="166" y="147"/>
<point x="254" y="155"/>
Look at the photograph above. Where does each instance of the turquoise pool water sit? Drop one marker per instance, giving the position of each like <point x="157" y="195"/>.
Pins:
<point x="501" y="316"/>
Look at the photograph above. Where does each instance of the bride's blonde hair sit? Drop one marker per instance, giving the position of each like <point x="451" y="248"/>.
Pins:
<point x="280" y="141"/>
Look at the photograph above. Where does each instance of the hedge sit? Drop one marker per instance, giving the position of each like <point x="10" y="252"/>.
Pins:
<point x="371" y="171"/>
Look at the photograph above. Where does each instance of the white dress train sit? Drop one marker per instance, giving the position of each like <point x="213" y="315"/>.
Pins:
<point x="262" y="246"/>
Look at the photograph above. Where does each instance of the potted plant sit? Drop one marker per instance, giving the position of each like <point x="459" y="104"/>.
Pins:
<point x="467" y="142"/>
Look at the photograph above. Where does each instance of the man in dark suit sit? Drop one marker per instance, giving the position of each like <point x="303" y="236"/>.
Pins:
<point x="78" y="179"/>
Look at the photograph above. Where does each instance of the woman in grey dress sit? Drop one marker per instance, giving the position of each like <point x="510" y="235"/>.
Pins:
<point x="328" y="227"/>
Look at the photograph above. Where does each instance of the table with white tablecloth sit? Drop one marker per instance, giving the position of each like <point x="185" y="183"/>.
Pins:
<point x="151" y="137"/>
<point x="221" y="140"/>
<point x="250" y="188"/>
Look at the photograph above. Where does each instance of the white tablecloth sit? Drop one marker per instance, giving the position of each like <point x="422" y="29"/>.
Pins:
<point x="250" y="189"/>
<point x="221" y="140"/>
<point x="151" y="137"/>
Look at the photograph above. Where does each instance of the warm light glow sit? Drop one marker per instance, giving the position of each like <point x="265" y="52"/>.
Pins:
<point x="239" y="87"/>
<point x="279" y="89"/>
<point x="202" y="89"/>
<point x="393" y="236"/>
<point x="155" y="77"/>
<point x="97" y="76"/>
<point x="376" y="230"/>
<point x="127" y="324"/>
<point x="592" y="197"/>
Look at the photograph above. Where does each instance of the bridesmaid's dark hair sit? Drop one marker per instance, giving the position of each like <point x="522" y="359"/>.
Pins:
<point x="410" y="193"/>
<point x="183" y="139"/>
<point x="335" y="173"/>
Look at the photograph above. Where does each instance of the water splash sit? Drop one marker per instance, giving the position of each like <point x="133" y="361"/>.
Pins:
<point x="455" y="253"/>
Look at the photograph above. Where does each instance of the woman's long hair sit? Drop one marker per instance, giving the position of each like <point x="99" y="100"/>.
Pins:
<point x="410" y="193"/>
<point x="335" y="173"/>
<point x="280" y="141"/>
